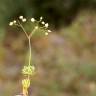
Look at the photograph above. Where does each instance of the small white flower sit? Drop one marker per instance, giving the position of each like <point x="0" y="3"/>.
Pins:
<point x="24" y="20"/>
<point x="32" y="20"/>
<point x="43" y="22"/>
<point x="46" y="25"/>
<point x="41" y="18"/>
<point x="20" y="17"/>
<point x="46" y="33"/>
<point x="36" y="27"/>
<point x="14" y="21"/>
<point x="11" y="23"/>
<point x="49" y="31"/>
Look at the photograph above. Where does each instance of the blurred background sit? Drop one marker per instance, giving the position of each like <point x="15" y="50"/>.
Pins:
<point x="65" y="60"/>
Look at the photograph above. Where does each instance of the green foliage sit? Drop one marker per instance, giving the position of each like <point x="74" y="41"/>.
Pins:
<point x="28" y="70"/>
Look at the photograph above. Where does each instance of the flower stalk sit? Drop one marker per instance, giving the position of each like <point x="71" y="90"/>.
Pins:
<point x="29" y="69"/>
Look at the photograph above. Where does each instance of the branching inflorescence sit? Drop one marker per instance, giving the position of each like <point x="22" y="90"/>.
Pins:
<point x="29" y="70"/>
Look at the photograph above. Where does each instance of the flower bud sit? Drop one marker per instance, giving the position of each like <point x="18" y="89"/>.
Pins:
<point x="11" y="23"/>
<point x="20" y="17"/>
<point x="32" y="20"/>
<point x="46" y="25"/>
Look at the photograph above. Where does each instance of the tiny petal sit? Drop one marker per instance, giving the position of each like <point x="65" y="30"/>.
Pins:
<point x="36" y="27"/>
<point x="41" y="18"/>
<point x="32" y="20"/>
<point x="46" y="25"/>
<point x="49" y="31"/>
<point x="14" y="21"/>
<point x="46" y="33"/>
<point x="24" y="20"/>
<point x="43" y="22"/>
<point x="11" y="23"/>
<point x="20" y="17"/>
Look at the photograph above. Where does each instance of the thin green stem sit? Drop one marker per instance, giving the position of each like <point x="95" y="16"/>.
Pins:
<point x="29" y="40"/>
<point x="32" y="33"/>
<point x="23" y="29"/>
